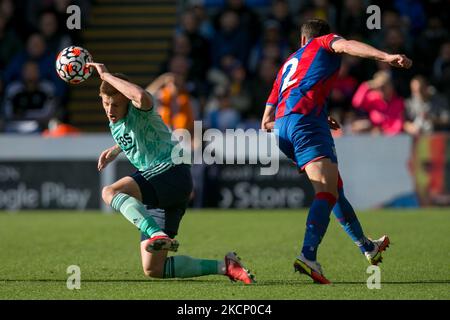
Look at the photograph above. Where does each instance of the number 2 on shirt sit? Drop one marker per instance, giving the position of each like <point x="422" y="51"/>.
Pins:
<point x="287" y="80"/>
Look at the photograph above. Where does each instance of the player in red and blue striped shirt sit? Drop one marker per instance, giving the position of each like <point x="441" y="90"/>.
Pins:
<point x="297" y="110"/>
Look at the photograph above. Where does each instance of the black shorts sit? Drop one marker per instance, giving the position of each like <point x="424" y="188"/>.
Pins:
<point x="166" y="196"/>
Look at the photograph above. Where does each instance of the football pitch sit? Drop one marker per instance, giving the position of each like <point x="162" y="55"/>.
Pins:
<point x="36" y="249"/>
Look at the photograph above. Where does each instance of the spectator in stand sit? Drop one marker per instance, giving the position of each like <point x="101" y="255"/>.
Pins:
<point x="206" y="28"/>
<point x="10" y="10"/>
<point x="55" y="40"/>
<point x="384" y="108"/>
<point x="175" y="103"/>
<point x="36" y="51"/>
<point x="281" y="14"/>
<point x="57" y="129"/>
<point x="326" y="11"/>
<point x="413" y="12"/>
<point x="261" y="85"/>
<point x="59" y="7"/>
<point x="353" y="18"/>
<point x="441" y="70"/>
<point x="435" y="9"/>
<point x="190" y="27"/>
<point x="342" y="91"/>
<point x="395" y="42"/>
<point x="239" y="90"/>
<point x="180" y="46"/>
<point x="321" y="9"/>
<point x="10" y="43"/>
<point x="428" y="44"/>
<point x="426" y="111"/>
<point x="248" y="20"/>
<point x="29" y="103"/>
<point x="306" y="12"/>
<point x="220" y="76"/>
<point x="273" y="52"/>
<point x="199" y="53"/>
<point x="390" y="19"/>
<point x="271" y="45"/>
<point x="10" y="46"/>
<point x="11" y="32"/>
<point x="230" y="39"/>
<point x="7" y="10"/>
<point x="191" y="68"/>
<point x="221" y="114"/>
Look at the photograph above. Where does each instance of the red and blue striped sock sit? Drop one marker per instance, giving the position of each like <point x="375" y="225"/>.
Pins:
<point x="346" y="216"/>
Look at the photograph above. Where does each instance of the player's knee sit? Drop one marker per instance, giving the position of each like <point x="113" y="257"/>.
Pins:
<point x="108" y="193"/>
<point x="330" y="188"/>
<point x="153" y="273"/>
<point x="334" y="192"/>
<point x="329" y="196"/>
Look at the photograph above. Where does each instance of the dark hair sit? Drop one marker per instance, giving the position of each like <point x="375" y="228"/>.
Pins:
<point x="109" y="90"/>
<point x="315" y="28"/>
<point x="49" y="11"/>
<point x="421" y="78"/>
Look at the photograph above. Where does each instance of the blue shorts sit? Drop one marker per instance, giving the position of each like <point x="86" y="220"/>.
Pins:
<point x="305" y="138"/>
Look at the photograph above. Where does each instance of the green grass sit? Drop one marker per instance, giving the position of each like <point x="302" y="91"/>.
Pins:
<point x="37" y="247"/>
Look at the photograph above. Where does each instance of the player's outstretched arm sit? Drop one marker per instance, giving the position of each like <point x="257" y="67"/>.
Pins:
<point x="360" y="49"/>
<point x="141" y="98"/>
<point x="108" y="156"/>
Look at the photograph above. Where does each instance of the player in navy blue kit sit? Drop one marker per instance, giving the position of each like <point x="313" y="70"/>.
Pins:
<point x="297" y="110"/>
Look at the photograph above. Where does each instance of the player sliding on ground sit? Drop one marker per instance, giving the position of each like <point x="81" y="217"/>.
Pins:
<point x="160" y="184"/>
<point x="297" y="108"/>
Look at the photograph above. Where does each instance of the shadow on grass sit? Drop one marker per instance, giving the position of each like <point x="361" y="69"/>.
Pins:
<point x="217" y="281"/>
<point x="308" y="282"/>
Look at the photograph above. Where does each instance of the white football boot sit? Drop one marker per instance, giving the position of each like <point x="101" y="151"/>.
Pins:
<point x="374" y="257"/>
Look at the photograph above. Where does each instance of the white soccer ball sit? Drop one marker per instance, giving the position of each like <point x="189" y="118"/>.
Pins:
<point x="71" y="64"/>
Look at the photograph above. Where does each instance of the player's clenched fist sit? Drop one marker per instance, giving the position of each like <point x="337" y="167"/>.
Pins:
<point x="399" y="61"/>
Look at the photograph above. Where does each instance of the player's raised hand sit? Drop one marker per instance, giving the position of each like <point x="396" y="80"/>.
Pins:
<point x="100" y="67"/>
<point x="107" y="156"/>
<point x="399" y="61"/>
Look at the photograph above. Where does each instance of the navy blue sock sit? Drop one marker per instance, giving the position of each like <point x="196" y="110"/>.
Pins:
<point x="346" y="216"/>
<point x="317" y="223"/>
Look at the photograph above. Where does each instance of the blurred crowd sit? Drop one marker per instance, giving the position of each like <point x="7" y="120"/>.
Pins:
<point x="224" y="60"/>
<point x="226" y="54"/>
<point x="31" y="94"/>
